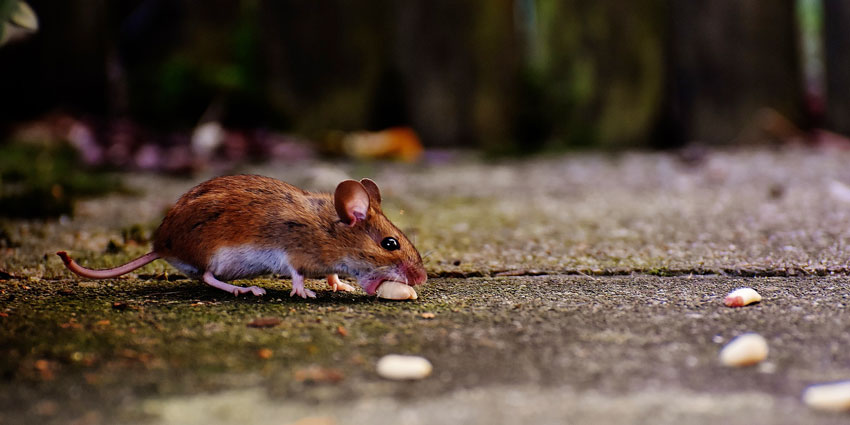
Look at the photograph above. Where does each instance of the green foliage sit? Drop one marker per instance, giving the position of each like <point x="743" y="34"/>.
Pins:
<point x="6" y="8"/>
<point x="17" y="20"/>
<point x="39" y="182"/>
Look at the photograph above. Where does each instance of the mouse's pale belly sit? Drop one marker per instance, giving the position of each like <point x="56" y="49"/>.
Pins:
<point x="237" y="262"/>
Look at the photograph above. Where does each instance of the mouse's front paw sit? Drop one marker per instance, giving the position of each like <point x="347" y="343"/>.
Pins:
<point x="342" y="286"/>
<point x="338" y="285"/>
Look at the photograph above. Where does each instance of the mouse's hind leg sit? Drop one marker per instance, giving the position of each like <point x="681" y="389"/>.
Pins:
<point x="209" y="279"/>
<point x="298" y="286"/>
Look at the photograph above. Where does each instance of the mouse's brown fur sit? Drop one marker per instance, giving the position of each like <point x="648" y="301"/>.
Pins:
<point x="305" y="224"/>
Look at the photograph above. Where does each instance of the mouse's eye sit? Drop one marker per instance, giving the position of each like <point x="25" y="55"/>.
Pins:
<point x="390" y="243"/>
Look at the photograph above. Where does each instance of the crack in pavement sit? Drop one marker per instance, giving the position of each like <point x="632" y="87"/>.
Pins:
<point x="660" y="272"/>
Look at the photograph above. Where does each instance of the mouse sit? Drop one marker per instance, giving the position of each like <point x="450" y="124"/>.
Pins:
<point x="243" y="226"/>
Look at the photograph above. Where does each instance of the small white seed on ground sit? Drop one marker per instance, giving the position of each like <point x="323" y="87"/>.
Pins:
<point x="833" y="397"/>
<point x="392" y="290"/>
<point x="399" y="367"/>
<point x="745" y="350"/>
<point x="741" y="297"/>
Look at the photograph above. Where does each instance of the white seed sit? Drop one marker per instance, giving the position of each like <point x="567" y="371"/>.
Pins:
<point x="392" y="290"/>
<point x="745" y="350"/>
<point x="833" y="397"/>
<point x="741" y="297"/>
<point x="395" y="366"/>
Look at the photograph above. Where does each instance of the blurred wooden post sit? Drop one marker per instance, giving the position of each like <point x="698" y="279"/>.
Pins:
<point x="597" y="67"/>
<point x="837" y="58"/>
<point x="458" y="62"/>
<point x="443" y="67"/>
<point x="730" y="59"/>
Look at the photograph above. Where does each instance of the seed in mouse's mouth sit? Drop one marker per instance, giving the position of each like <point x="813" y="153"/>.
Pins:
<point x="393" y="290"/>
<point x="372" y="285"/>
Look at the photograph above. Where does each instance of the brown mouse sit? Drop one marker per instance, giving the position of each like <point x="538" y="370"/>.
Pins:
<point x="242" y="226"/>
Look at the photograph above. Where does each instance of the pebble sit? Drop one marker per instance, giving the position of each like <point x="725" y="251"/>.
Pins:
<point x="745" y="350"/>
<point x="392" y="290"/>
<point x="265" y="322"/>
<point x="401" y="367"/>
<point x="834" y="397"/>
<point x="741" y="297"/>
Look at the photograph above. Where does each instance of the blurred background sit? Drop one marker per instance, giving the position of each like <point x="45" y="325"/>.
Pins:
<point x="174" y="85"/>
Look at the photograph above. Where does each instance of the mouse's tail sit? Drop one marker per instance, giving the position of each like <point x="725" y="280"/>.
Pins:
<point x="107" y="273"/>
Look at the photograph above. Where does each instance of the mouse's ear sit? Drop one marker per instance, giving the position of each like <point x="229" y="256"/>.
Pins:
<point x="372" y="189"/>
<point x="351" y="201"/>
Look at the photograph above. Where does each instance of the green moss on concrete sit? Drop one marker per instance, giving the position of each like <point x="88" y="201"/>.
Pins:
<point x="182" y="335"/>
